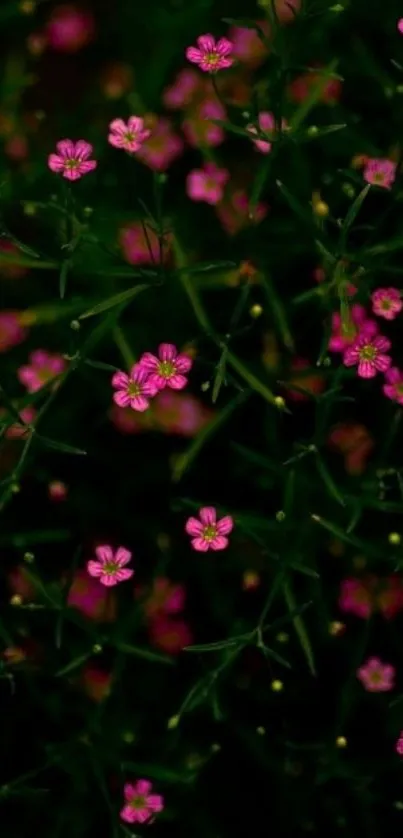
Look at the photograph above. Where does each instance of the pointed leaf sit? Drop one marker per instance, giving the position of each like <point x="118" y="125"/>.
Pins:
<point x="116" y="300"/>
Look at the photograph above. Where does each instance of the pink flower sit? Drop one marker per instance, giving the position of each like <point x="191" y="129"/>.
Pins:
<point x="354" y="441"/>
<point x="141" y="246"/>
<point x="301" y="87"/>
<point x="400" y="25"/>
<point x="18" y="431"/>
<point x="11" y="331"/>
<point x="234" y="212"/>
<point x="109" y="567"/>
<point x="341" y="337"/>
<point x="375" y="676"/>
<point x="96" y="682"/>
<point x="211" y="55"/>
<point x="170" y="635"/>
<point x="370" y="594"/>
<point x="164" y="598"/>
<point x="140" y="805"/>
<point x="399" y="741"/>
<point x="130" y="135"/>
<point x="393" y="388"/>
<point x="386" y="302"/>
<point x="209" y="534"/>
<point x="180" y="94"/>
<point x="199" y="127"/>
<point x="180" y="413"/>
<point x="207" y="184"/>
<point x="135" y="389"/>
<point x="367" y="352"/>
<point x="69" y="28"/>
<point x="166" y="370"/>
<point x="162" y="147"/>
<point x="8" y="269"/>
<point x="57" y="490"/>
<point x="43" y="367"/>
<point x="380" y="172"/>
<point x="248" y="46"/>
<point x="72" y="159"/>
<point x="267" y="125"/>
<point x="88" y="596"/>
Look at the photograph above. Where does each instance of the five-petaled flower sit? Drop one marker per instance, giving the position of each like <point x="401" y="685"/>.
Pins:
<point x="380" y="172"/>
<point x="393" y="388"/>
<point x="368" y="352"/>
<point x="140" y="805"/>
<point x="166" y="370"/>
<point x="386" y="302"/>
<point x="109" y="567"/>
<point x="42" y="367"/>
<point x="130" y="135"/>
<point x="72" y="159"/>
<point x="375" y="676"/>
<point x="207" y="532"/>
<point x="134" y="390"/>
<point x="211" y="55"/>
<point x="207" y="184"/>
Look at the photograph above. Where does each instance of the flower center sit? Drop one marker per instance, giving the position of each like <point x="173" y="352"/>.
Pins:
<point x="210" y="532"/>
<point x="379" y="177"/>
<point x="399" y="388"/>
<point x="376" y="677"/>
<point x="166" y="368"/>
<point x="368" y="352"/>
<point x="386" y="304"/>
<point x="138" y="802"/>
<point x="212" y="59"/>
<point x="133" y="389"/>
<point x="129" y="136"/>
<point x="72" y="163"/>
<point x="109" y="567"/>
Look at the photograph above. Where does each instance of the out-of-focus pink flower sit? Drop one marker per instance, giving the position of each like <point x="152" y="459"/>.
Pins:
<point x="71" y="160"/>
<point x="116" y="80"/>
<point x="141" y="245"/>
<point x="355" y="443"/>
<point x="20" y="430"/>
<point x="380" y="172"/>
<point x="319" y="275"/>
<point x="128" y="135"/>
<point x="301" y="87"/>
<point x="376" y="677"/>
<point x="140" y="805"/>
<point x="286" y="9"/>
<point x="134" y="390"/>
<point x="313" y="383"/>
<point x="199" y="128"/>
<point x="43" y="367"/>
<point x="211" y="55"/>
<point x="400" y="25"/>
<point x="16" y="147"/>
<point x="109" y="566"/>
<point x="171" y="412"/>
<point x="267" y="125"/>
<point x="69" y="28"/>
<point x="129" y="421"/>
<point x="248" y="46"/>
<point x="393" y="388"/>
<point x="91" y="598"/>
<point x="20" y="583"/>
<point x="207" y="184"/>
<point x="11" y="331"/>
<point x="399" y="741"/>
<point x="386" y="302"/>
<point x="370" y="594"/>
<point x="96" y="683"/>
<point x="166" y="370"/>
<point x="170" y="635"/>
<point x="368" y="352"/>
<point x="343" y="334"/>
<point x="165" y="598"/>
<point x="57" y="490"/>
<point x="7" y="268"/>
<point x="208" y="533"/>
<point x="163" y="146"/>
<point x="181" y="93"/>
<point x="234" y="212"/>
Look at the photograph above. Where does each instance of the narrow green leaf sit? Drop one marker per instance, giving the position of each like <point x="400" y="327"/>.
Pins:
<point x="351" y="215"/>
<point x="204" y="267"/>
<point x="219" y="644"/>
<point x="60" y="446"/>
<point x="74" y="664"/>
<point x="147" y="654"/>
<point x="64" y="272"/>
<point x="233" y="129"/>
<point x="328" y="481"/>
<point x="299" y="627"/>
<point x="220" y="375"/>
<point x="112" y="302"/>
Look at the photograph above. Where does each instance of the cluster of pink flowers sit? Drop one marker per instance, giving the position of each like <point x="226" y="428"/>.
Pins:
<point x="207" y="532"/>
<point x="368" y="595"/>
<point x="171" y="412"/>
<point x="163" y="605"/>
<point x="109" y="566"/>
<point x="376" y="676"/>
<point x="43" y="367"/>
<point x="151" y="375"/>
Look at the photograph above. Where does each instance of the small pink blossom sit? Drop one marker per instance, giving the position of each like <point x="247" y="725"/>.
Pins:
<point x="57" y="490"/>
<point x="180" y="94"/>
<point x="267" y="126"/>
<point x="17" y="430"/>
<point x="209" y="534"/>
<point x="11" y="331"/>
<point x="370" y="594"/>
<point x="69" y="28"/>
<point x="380" y="172"/>
<point x="199" y="127"/>
<point x="109" y="567"/>
<point x="134" y="390"/>
<point x="399" y="741"/>
<point x="140" y="805"/>
<point x="234" y="212"/>
<point x="368" y="352"/>
<point x="165" y="598"/>
<point x="168" y="369"/>
<point x="386" y="302"/>
<point x="162" y="147"/>
<point x="211" y="55"/>
<point x="170" y="635"/>
<point x="343" y="335"/>
<point x="128" y="135"/>
<point x="72" y="161"/>
<point x="248" y="45"/>
<point x="400" y="25"/>
<point x="171" y="412"/>
<point x="141" y="245"/>
<point x="356" y="444"/>
<point x="303" y="86"/>
<point x="88" y="596"/>
<point x="376" y="676"/>
<point x="393" y="388"/>
<point x="207" y="184"/>
<point x="43" y="367"/>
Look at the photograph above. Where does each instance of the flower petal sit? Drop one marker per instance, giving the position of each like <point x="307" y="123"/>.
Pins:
<point x="200" y="544"/>
<point x="122" y="398"/>
<point x="118" y="126"/>
<point x="208" y="515"/>
<point x="219" y="543"/>
<point x="124" y="574"/>
<point x="139" y="403"/>
<point x="94" y="568"/>
<point x="143" y="787"/>
<point x="167" y="352"/>
<point x="225" y="525"/>
<point x="366" y="369"/>
<point x="83" y="150"/>
<point x="120" y="379"/>
<point x="55" y="163"/>
<point x="128" y="814"/>
<point x="122" y="556"/>
<point x="104" y="553"/>
<point x="193" y="526"/>
<point x="108" y="580"/>
<point x="176" y="382"/>
<point x="148" y="361"/>
<point x="183" y="363"/>
<point x="66" y="149"/>
<point x="194" y="55"/>
<point x="206" y="43"/>
<point x="135" y="124"/>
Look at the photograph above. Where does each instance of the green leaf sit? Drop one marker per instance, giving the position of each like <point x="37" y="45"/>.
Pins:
<point x="321" y="132"/>
<point x="147" y="654"/>
<point x="299" y="627"/>
<point x="220" y="375"/>
<point x="203" y="267"/>
<point x="219" y="644"/>
<point x="74" y="664"/>
<point x="64" y="272"/>
<point x="328" y="481"/>
<point x="233" y="129"/>
<point x="351" y="215"/>
<point x="116" y="300"/>
<point x="60" y="446"/>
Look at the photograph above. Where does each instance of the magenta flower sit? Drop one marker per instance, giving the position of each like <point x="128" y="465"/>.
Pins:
<point x="393" y="388"/>
<point x="169" y="634"/>
<point x="18" y="430"/>
<point x="130" y="135"/>
<point x="72" y="161"/>
<point x="207" y="184"/>
<point x="109" y="567"/>
<point x="399" y="741"/>
<point x="200" y="129"/>
<point x="134" y="390"/>
<point x="341" y="337"/>
<point x="386" y="302"/>
<point x="163" y="146"/>
<point x="367" y="352"/>
<point x="140" y="806"/>
<point x="211" y="55"/>
<point x="209" y="534"/>
<point x="165" y="598"/>
<point x="400" y="25"/>
<point x="375" y="676"/>
<point x="267" y="125"/>
<point x="380" y="172"/>
<point x="166" y="370"/>
<point x="69" y="28"/>
<point x="42" y="367"/>
<point x="11" y="331"/>
<point x="180" y="94"/>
